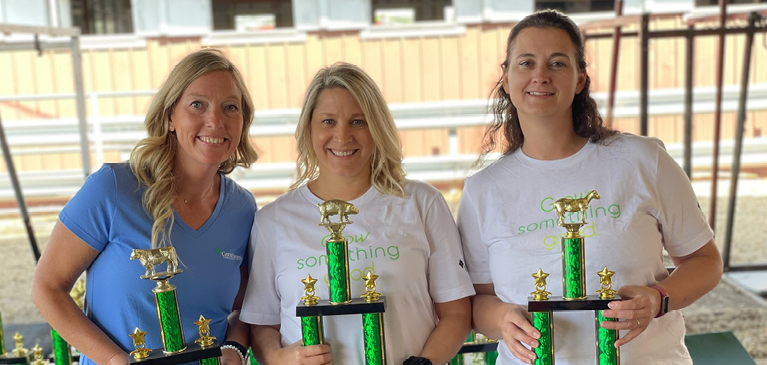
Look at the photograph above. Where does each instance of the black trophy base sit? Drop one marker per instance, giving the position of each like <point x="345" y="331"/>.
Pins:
<point x="554" y="304"/>
<point x="11" y="359"/>
<point x="357" y="306"/>
<point x="192" y="353"/>
<point x="479" y="347"/>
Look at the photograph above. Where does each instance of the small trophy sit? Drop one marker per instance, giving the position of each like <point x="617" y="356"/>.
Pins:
<point x="371" y="305"/>
<point x="2" y="338"/>
<point x="175" y="349"/>
<point x="37" y="355"/>
<point x="19" y="355"/>
<point x="541" y="305"/>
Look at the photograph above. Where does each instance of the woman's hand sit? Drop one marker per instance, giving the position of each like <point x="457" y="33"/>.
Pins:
<point x="516" y="330"/>
<point x="230" y="357"/>
<point x="638" y="308"/>
<point x="298" y="354"/>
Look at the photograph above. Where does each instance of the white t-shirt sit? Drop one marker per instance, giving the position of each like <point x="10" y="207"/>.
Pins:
<point x="508" y="226"/>
<point x="411" y="243"/>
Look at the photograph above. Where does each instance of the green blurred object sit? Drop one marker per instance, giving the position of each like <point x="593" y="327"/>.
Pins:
<point x="717" y="348"/>
<point x="491" y="358"/>
<point x="252" y="357"/>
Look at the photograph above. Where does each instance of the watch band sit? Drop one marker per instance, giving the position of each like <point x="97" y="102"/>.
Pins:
<point x="664" y="298"/>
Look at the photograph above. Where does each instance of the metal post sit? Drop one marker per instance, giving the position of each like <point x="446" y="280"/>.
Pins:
<point x="19" y="195"/>
<point x="688" y="97"/>
<point x="644" y="74"/>
<point x="80" y="97"/>
<point x="614" y="66"/>
<point x="718" y="113"/>
<point x="740" y="126"/>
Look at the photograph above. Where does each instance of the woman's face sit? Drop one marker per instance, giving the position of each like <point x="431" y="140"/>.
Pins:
<point x="340" y="135"/>
<point x="542" y="77"/>
<point x="208" y="120"/>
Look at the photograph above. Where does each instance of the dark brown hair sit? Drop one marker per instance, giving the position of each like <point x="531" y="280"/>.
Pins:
<point x="586" y="119"/>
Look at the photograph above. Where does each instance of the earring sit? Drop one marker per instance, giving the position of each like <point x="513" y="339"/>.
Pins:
<point x="172" y="129"/>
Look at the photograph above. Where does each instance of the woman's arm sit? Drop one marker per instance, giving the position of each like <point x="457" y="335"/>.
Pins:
<point x="62" y="262"/>
<point x="237" y="331"/>
<point x="452" y="329"/>
<point x="695" y="275"/>
<point x="267" y="347"/>
<point x="498" y="320"/>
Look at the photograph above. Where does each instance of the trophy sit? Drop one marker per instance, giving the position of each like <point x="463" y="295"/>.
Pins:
<point x="370" y="305"/>
<point x="19" y="355"/>
<point x="37" y="355"/>
<point x="477" y="349"/>
<point x="541" y="304"/>
<point x="2" y="338"/>
<point x="175" y="349"/>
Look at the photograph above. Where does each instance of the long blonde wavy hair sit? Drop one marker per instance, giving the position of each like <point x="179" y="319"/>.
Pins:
<point x="386" y="173"/>
<point x="153" y="158"/>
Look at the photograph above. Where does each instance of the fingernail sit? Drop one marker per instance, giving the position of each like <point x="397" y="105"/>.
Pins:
<point x="535" y="344"/>
<point x="536" y="334"/>
<point x="611" y="304"/>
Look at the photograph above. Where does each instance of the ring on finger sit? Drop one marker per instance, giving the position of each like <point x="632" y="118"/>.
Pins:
<point x="638" y="323"/>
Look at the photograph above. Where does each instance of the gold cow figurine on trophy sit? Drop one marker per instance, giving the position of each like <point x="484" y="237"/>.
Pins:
<point x="567" y="205"/>
<point x="150" y="258"/>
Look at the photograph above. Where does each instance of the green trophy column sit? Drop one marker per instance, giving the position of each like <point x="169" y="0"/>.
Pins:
<point x="607" y="354"/>
<point x="338" y="271"/>
<point x="573" y="276"/>
<point x="311" y="331"/>
<point x="209" y="361"/>
<point x="62" y="353"/>
<point x="373" y="332"/>
<point x="491" y="357"/>
<point x="2" y="339"/>
<point x="168" y="314"/>
<point x="544" y="323"/>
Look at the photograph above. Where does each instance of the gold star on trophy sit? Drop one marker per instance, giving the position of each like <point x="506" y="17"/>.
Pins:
<point x="309" y="298"/>
<point x="540" y="292"/>
<point x="37" y="353"/>
<point x="19" y="351"/>
<point x="370" y="287"/>
<point x="138" y="342"/>
<point x="203" y="327"/>
<point x="606" y="280"/>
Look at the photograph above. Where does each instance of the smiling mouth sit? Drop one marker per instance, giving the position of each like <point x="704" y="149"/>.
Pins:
<point x="212" y="140"/>
<point x="537" y="93"/>
<point x="342" y="153"/>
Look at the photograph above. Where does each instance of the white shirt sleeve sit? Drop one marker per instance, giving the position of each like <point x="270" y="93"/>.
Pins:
<point x="261" y="304"/>
<point x="474" y="248"/>
<point x="448" y="277"/>
<point x="680" y="219"/>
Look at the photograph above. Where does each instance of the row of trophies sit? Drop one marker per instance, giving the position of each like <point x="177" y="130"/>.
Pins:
<point x="62" y="351"/>
<point x="371" y="305"/>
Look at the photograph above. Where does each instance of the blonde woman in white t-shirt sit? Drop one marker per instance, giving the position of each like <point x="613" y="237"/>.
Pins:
<point x="555" y="145"/>
<point x="349" y="149"/>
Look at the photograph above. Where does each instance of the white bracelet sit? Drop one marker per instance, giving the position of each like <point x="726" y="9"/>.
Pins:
<point x="242" y="357"/>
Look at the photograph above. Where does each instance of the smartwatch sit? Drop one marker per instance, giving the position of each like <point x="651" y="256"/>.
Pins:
<point x="663" y="301"/>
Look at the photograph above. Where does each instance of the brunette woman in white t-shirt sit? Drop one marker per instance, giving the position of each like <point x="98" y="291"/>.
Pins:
<point x="349" y="149"/>
<point x="555" y="145"/>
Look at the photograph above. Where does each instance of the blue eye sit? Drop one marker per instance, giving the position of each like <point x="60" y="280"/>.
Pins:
<point x="358" y="122"/>
<point x="232" y="108"/>
<point x="327" y="121"/>
<point x="195" y="104"/>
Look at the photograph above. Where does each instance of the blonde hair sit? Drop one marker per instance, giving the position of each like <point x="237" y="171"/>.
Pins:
<point x="386" y="173"/>
<point x="153" y="158"/>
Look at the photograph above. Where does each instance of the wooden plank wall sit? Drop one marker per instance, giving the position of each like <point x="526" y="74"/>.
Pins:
<point x="408" y="70"/>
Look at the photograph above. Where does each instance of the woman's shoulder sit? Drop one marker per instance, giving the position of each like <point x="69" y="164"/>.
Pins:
<point x="633" y="144"/>
<point x="488" y="175"/>
<point x="285" y="201"/>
